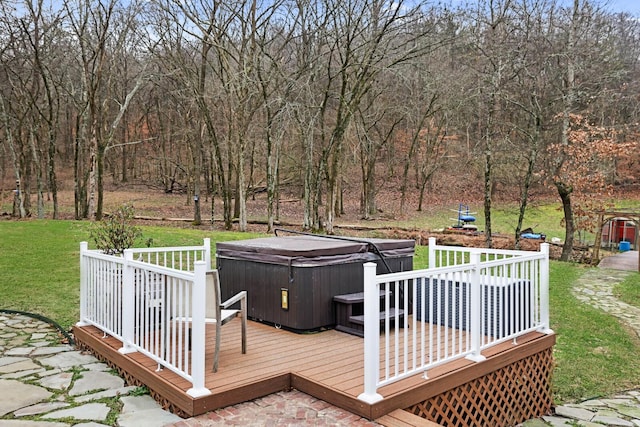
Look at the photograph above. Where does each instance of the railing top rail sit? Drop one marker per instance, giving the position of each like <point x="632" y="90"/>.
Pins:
<point x="172" y="249"/>
<point x="531" y="256"/>
<point x="98" y="254"/>
<point x="426" y="272"/>
<point x="492" y="251"/>
<point x="173" y="272"/>
<point x="430" y="272"/>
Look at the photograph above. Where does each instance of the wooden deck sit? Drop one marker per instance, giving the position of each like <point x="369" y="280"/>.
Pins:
<point x="327" y="365"/>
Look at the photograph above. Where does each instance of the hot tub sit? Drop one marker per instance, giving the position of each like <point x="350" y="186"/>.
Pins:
<point x="291" y="280"/>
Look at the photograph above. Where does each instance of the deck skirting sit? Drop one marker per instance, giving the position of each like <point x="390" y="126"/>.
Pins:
<point x="506" y="397"/>
<point x="510" y="386"/>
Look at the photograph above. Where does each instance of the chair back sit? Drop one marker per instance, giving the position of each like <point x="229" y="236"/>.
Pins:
<point x="213" y="295"/>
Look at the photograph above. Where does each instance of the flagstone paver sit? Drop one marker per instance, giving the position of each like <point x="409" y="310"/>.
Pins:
<point x="595" y="288"/>
<point x="16" y="395"/>
<point x="89" y="411"/>
<point x="44" y="383"/>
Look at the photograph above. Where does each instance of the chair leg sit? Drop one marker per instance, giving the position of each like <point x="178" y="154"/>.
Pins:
<point x="216" y="354"/>
<point x="244" y="332"/>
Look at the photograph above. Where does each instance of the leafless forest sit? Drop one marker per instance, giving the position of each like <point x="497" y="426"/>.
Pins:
<point x="327" y="101"/>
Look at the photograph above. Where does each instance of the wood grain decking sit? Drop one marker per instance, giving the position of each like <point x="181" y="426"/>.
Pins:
<point x="327" y="365"/>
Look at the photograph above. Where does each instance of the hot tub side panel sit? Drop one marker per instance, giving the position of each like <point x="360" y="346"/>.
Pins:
<point x="309" y="289"/>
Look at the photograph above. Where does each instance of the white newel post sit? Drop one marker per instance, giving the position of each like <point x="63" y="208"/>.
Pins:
<point x="371" y="335"/>
<point x="84" y="247"/>
<point x="432" y="252"/>
<point x="207" y="253"/>
<point x="545" y="327"/>
<point x="198" y="330"/>
<point x="475" y="320"/>
<point x="128" y="304"/>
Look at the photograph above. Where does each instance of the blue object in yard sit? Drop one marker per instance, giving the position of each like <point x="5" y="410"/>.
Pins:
<point x="624" y="246"/>
<point x="467" y="218"/>
<point x="464" y="216"/>
<point x="533" y="236"/>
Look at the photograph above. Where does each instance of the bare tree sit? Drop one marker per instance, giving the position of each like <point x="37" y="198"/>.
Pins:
<point x="584" y="63"/>
<point x="363" y="38"/>
<point x="42" y="34"/>
<point x="275" y="81"/>
<point x="225" y="85"/>
<point x="101" y="31"/>
<point x="376" y="127"/>
<point x="528" y="100"/>
<point x="493" y="55"/>
<point x="250" y="96"/>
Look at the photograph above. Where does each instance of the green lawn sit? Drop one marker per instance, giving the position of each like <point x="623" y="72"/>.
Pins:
<point x="544" y="217"/>
<point x="39" y="261"/>
<point x="629" y="290"/>
<point x="595" y="354"/>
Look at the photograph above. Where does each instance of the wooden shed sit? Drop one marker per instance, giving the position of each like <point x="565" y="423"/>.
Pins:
<point x="619" y="229"/>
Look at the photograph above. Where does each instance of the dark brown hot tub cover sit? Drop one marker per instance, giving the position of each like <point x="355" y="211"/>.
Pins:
<point x="301" y="251"/>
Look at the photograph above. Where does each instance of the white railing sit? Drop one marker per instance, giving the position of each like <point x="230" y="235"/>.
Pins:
<point x="180" y="258"/>
<point x="449" y="256"/>
<point x="153" y="301"/>
<point x="471" y="299"/>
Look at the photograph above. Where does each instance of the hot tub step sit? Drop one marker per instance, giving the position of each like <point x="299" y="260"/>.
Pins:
<point x="356" y="323"/>
<point x="359" y="320"/>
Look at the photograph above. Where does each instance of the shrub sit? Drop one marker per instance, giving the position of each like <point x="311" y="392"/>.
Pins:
<point x="116" y="233"/>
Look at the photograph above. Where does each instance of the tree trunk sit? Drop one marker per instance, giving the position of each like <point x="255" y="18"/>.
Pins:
<point x="311" y="191"/>
<point x="242" y="187"/>
<point x="78" y="176"/>
<point x="488" y="179"/>
<point x="37" y="156"/>
<point x="18" y="200"/>
<point x="100" y="182"/>
<point x="405" y="178"/>
<point x="273" y="168"/>
<point x="93" y="171"/>
<point x="330" y="205"/>
<point x="369" y="190"/>
<point x="523" y="199"/>
<point x="197" y="215"/>
<point x="565" y="195"/>
<point x="533" y="157"/>
<point x="53" y="180"/>
<point x="124" y="176"/>
<point x="423" y="186"/>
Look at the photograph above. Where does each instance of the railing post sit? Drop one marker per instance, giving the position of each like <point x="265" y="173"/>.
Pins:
<point x="198" y="330"/>
<point x="432" y="252"/>
<point x="545" y="327"/>
<point x="128" y="304"/>
<point x="84" y="247"/>
<point x="207" y="253"/>
<point x="475" y="320"/>
<point x="371" y="335"/>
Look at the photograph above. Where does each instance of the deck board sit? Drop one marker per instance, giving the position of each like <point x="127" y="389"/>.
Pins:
<point x="327" y="364"/>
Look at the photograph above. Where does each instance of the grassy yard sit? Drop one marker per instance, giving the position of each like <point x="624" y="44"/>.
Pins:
<point x="544" y="217"/>
<point x="40" y="263"/>
<point x="595" y="354"/>
<point x="629" y="290"/>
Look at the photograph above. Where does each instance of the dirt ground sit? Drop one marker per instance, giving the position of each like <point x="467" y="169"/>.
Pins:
<point x="157" y="208"/>
<point x="154" y="207"/>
